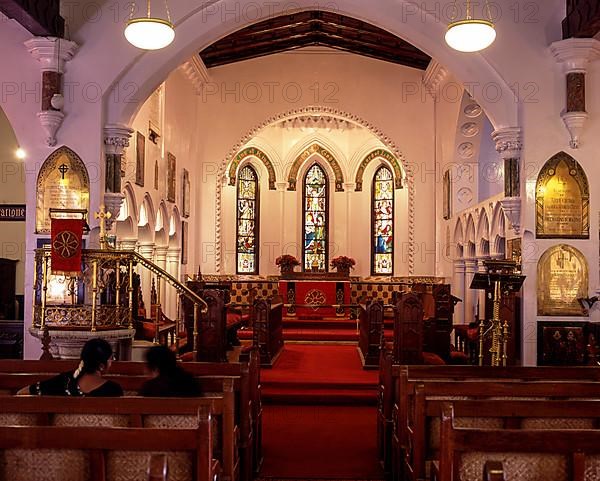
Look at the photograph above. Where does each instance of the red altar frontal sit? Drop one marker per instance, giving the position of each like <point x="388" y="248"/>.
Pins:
<point x="315" y="293"/>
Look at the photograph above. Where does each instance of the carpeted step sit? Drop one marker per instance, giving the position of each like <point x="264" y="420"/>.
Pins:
<point x="329" y="335"/>
<point x="310" y="385"/>
<point x="346" y="397"/>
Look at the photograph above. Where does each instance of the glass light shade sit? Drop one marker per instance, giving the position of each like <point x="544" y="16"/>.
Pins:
<point x="470" y="35"/>
<point x="149" y="33"/>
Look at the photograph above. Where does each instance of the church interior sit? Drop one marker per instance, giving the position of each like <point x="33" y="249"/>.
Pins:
<point x="309" y="240"/>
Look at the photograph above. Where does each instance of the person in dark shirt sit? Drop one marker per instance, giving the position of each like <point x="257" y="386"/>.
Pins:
<point x="169" y="379"/>
<point x="86" y="380"/>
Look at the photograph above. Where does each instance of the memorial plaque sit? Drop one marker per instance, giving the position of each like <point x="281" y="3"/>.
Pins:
<point x="140" y="158"/>
<point x="12" y="212"/>
<point x="562" y="279"/>
<point x="63" y="183"/>
<point x="171" y="171"/>
<point x="562" y="200"/>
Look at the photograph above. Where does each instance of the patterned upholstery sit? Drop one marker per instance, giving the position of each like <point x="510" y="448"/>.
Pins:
<point x="93" y="420"/>
<point x="17" y="419"/>
<point x="170" y="422"/>
<point x="433" y="431"/>
<point x="517" y="467"/>
<point x="133" y="465"/>
<point x="557" y="423"/>
<point x="241" y="289"/>
<point x="592" y="468"/>
<point x="44" y="465"/>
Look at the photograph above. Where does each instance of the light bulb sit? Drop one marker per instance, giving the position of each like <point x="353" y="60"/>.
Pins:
<point x="470" y="35"/>
<point x="149" y="33"/>
<point x="20" y="153"/>
<point x="57" y="101"/>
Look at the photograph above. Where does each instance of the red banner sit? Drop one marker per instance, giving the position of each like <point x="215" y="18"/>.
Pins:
<point x="66" y="246"/>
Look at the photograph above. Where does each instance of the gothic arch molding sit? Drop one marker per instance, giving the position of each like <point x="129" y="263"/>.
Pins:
<point x="324" y="154"/>
<point x="379" y="154"/>
<point x="252" y="152"/>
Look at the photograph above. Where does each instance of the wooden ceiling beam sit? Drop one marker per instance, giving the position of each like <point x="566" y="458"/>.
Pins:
<point x="41" y="17"/>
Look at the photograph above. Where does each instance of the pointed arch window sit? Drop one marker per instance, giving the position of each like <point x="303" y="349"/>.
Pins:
<point x="315" y="215"/>
<point x="247" y="221"/>
<point x="382" y="222"/>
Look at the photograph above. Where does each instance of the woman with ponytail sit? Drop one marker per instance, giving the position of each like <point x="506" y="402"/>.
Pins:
<point x="86" y="380"/>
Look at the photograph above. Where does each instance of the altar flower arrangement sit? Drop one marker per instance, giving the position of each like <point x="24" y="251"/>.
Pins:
<point x="287" y="262"/>
<point x="343" y="263"/>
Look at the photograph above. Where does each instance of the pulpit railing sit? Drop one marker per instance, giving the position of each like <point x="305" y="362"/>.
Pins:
<point x="101" y="297"/>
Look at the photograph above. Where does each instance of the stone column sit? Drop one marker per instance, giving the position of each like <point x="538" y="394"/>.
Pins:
<point x="173" y="264"/>
<point x="480" y="301"/>
<point x="458" y="288"/>
<point x="51" y="53"/>
<point x="470" y="294"/>
<point x="282" y="189"/>
<point x="574" y="54"/>
<point x="349" y="189"/>
<point x="127" y="244"/>
<point x="146" y="250"/>
<point x="160" y="259"/>
<point x="509" y="146"/>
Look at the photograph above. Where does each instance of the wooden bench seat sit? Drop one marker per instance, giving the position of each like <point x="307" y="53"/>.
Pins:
<point x="523" y="454"/>
<point x="49" y="453"/>
<point x="414" y="431"/>
<point x="395" y="380"/>
<point x="131" y="375"/>
<point x="132" y="412"/>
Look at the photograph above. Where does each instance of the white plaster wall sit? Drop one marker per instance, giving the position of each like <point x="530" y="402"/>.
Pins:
<point x="326" y="78"/>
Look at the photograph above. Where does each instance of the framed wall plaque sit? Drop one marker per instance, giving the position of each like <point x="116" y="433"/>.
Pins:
<point x="514" y="251"/>
<point x="171" y="171"/>
<point x="140" y="158"/>
<point x="562" y="279"/>
<point x="562" y="343"/>
<point x="447" y="195"/>
<point x="562" y="200"/>
<point x="186" y="193"/>
<point x="184" y="242"/>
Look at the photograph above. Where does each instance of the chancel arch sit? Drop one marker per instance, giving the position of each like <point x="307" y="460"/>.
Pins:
<point x="379" y="154"/>
<point x="238" y="160"/>
<point x="62" y="183"/>
<point x="562" y="199"/>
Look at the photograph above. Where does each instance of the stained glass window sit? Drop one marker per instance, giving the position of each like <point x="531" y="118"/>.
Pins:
<point x="247" y="221"/>
<point x="383" y="222"/>
<point x="315" y="219"/>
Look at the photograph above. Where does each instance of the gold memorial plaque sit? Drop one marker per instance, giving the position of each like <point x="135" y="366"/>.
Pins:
<point x="562" y="279"/>
<point x="562" y="200"/>
<point x="63" y="183"/>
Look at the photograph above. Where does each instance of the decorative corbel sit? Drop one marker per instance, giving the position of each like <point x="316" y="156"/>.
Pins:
<point x="51" y="53"/>
<point x="574" y="54"/>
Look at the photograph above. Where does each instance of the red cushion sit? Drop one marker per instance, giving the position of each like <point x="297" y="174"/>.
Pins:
<point x="187" y="357"/>
<point x="432" y="359"/>
<point x="473" y="333"/>
<point x="148" y="330"/>
<point x="458" y="355"/>
<point x="233" y="318"/>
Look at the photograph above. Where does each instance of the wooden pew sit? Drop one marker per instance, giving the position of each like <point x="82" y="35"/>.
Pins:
<point x="371" y="320"/>
<point x="390" y="385"/>
<point x="69" y="452"/>
<point x="469" y="447"/>
<point x="131" y="375"/>
<point x="133" y="411"/>
<point x="410" y="438"/>
<point x="267" y="330"/>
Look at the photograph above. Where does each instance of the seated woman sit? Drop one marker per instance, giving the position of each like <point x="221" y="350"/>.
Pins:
<point x="86" y="380"/>
<point x="169" y="379"/>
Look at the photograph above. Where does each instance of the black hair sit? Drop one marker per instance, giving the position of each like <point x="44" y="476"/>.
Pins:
<point x="95" y="353"/>
<point x="161" y="359"/>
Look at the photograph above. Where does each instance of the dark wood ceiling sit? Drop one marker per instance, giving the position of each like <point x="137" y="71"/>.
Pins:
<point x="40" y="17"/>
<point x="313" y="28"/>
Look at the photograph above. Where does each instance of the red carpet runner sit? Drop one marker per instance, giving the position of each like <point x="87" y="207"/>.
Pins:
<point x="319" y="419"/>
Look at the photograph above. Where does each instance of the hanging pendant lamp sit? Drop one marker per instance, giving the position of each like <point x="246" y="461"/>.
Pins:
<point x="149" y="33"/>
<point x="470" y="34"/>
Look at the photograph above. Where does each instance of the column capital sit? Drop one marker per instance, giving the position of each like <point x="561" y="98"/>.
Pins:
<point x="281" y="186"/>
<point x="146" y="250"/>
<point x="349" y="186"/>
<point x="574" y="54"/>
<point x="459" y="265"/>
<point x="433" y="78"/>
<point x="116" y="138"/>
<point x="51" y="52"/>
<point x="508" y="142"/>
<point x="128" y="244"/>
<point x="160" y="253"/>
<point x="174" y="254"/>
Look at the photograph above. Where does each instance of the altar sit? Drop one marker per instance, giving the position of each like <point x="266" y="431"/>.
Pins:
<point x="310" y="291"/>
